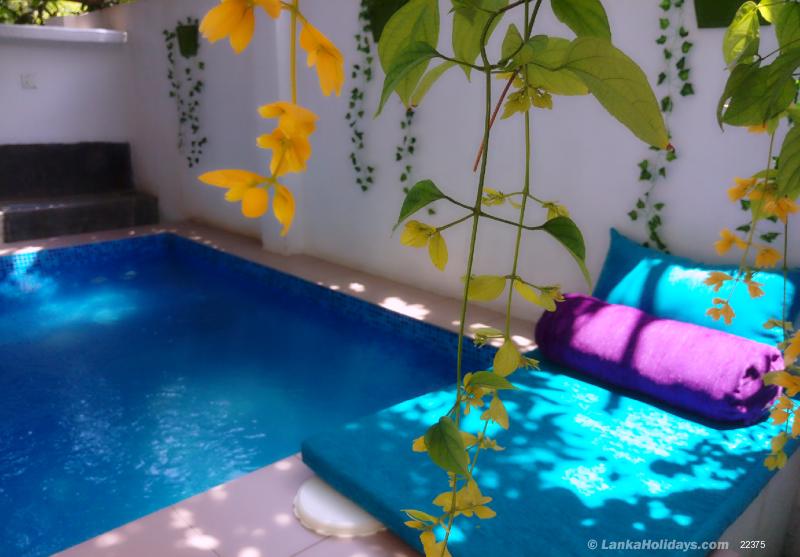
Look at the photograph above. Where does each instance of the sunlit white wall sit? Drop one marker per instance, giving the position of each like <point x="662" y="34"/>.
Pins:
<point x="583" y="157"/>
<point x="74" y="96"/>
<point x="228" y="111"/>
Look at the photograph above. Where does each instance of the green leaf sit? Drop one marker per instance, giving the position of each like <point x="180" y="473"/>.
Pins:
<point x="428" y="80"/>
<point x="419" y="515"/>
<point x="511" y="43"/>
<point x="543" y="53"/>
<point x="567" y="232"/>
<point x="740" y="74"/>
<point x="620" y="86"/>
<point x="415" y="57"/>
<point x="379" y="12"/>
<point x="507" y="359"/>
<point x="485" y="288"/>
<point x="469" y="22"/>
<point x="446" y="447"/>
<point x="786" y="18"/>
<point x="417" y="21"/>
<point x="789" y="169"/>
<point x="422" y="194"/>
<point x="437" y="249"/>
<point x="586" y="18"/>
<point x="742" y="36"/>
<point x="490" y="381"/>
<point x="763" y="93"/>
<point x="527" y="292"/>
<point x="518" y="101"/>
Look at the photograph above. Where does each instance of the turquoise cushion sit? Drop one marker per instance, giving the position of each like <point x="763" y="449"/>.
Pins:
<point x="673" y="287"/>
<point x="581" y="463"/>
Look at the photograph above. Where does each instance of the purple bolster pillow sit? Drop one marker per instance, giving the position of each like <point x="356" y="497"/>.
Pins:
<point x="705" y="372"/>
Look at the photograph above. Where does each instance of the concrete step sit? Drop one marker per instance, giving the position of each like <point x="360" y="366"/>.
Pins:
<point x="45" y="217"/>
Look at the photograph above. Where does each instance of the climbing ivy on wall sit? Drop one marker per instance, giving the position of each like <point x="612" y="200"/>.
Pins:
<point x="372" y="17"/>
<point x="361" y="74"/>
<point x="674" y="80"/>
<point x="405" y="150"/>
<point x="184" y="71"/>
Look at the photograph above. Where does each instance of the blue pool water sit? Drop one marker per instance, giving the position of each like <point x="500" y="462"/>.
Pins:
<point x="136" y="373"/>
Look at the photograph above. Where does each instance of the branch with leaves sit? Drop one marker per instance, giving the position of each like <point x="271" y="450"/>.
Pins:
<point x="537" y="69"/>
<point x="761" y="91"/>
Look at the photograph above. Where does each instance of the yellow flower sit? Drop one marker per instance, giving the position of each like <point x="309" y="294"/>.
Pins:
<point x="754" y="288"/>
<point x="291" y="117"/>
<point x="759" y="128"/>
<point x="775" y="461"/>
<point x="780" y="207"/>
<point x="237" y="182"/>
<point x="741" y="188"/>
<point x="323" y="54"/>
<point x="283" y="207"/>
<point x="416" y="234"/>
<point x="725" y="311"/>
<point x="290" y="151"/>
<point x="255" y="203"/>
<point x="767" y="257"/>
<point x="242" y="185"/>
<point x="555" y="210"/>
<point x="493" y="197"/>
<point x="431" y="547"/>
<point x="790" y="383"/>
<point x="727" y="240"/>
<point x="717" y="280"/>
<point x="236" y="19"/>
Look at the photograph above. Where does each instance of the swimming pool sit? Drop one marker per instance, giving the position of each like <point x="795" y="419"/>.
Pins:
<point x="136" y="373"/>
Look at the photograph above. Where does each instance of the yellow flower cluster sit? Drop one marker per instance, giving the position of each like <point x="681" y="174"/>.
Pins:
<point x="290" y="141"/>
<point x="761" y="192"/>
<point x="766" y="203"/>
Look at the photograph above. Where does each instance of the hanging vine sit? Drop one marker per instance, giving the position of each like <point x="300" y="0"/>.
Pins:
<point x="405" y="152"/>
<point x="771" y="193"/>
<point x="675" y="80"/>
<point x="186" y="86"/>
<point x="372" y="16"/>
<point x="407" y="49"/>
<point x="361" y="74"/>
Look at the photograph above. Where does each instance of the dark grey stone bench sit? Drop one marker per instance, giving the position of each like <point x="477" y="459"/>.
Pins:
<point x="57" y="189"/>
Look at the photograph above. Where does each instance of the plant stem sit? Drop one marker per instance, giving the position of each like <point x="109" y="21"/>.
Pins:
<point x="487" y="128"/>
<point x="528" y="31"/>
<point x="293" y="54"/>
<point x="494" y="117"/>
<point x="784" y="317"/>
<point x="753" y="224"/>
<point x="521" y="221"/>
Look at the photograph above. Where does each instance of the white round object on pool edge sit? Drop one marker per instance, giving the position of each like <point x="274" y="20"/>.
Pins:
<point x="323" y="510"/>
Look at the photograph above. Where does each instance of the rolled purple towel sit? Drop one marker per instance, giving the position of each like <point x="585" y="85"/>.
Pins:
<point x="705" y="372"/>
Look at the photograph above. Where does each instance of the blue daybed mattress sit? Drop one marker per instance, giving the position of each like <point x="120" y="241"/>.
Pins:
<point x="582" y="463"/>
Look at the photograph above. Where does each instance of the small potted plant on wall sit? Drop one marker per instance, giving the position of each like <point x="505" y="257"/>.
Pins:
<point x="188" y="34"/>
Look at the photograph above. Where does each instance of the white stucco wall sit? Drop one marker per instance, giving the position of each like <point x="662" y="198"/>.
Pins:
<point x="582" y="157"/>
<point x="78" y="95"/>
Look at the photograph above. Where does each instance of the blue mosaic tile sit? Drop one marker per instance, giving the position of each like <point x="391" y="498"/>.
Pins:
<point x="54" y="260"/>
<point x="201" y="256"/>
<point x="413" y="330"/>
